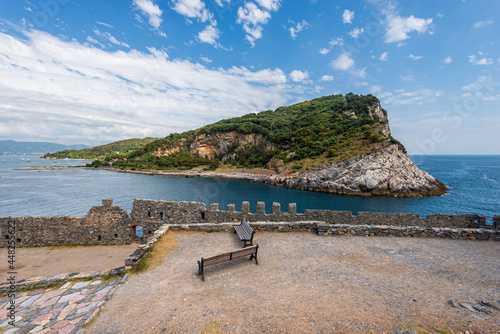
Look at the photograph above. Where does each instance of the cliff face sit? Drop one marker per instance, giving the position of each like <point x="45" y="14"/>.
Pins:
<point x="223" y="145"/>
<point x="219" y="144"/>
<point x="388" y="172"/>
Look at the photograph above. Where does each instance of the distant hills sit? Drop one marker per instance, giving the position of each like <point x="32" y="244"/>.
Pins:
<point x="116" y="148"/>
<point x="16" y="147"/>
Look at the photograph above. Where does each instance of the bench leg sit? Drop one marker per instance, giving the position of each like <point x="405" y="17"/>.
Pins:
<point x="254" y="256"/>
<point x="200" y="271"/>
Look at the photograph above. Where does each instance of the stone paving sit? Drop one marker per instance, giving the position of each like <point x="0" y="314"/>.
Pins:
<point x="60" y="310"/>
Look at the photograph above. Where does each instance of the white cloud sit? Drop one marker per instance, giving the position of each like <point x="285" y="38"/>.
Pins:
<point x="384" y="56"/>
<point x="267" y="76"/>
<point x="209" y="35"/>
<point x="105" y="24"/>
<point x="481" y="24"/>
<point x="69" y="92"/>
<point x="447" y="60"/>
<point x="206" y="59"/>
<point x="407" y="77"/>
<point x="359" y="72"/>
<point x="270" y="5"/>
<point x="480" y="83"/>
<point x="107" y="36"/>
<point x="326" y="78"/>
<point x="412" y="57"/>
<point x="491" y="98"/>
<point x="440" y="15"/>
<point x="298" y="76"/>
<point x="298" y="28"/>
<point x="398" y="27"/>
<point x="375" y="89"/>
<point x="333" y="42"/>
<point x="416" y="97"/>
<point x="221" y="2"/>
<point x="483" y="61"/>
<point x="348" y="16"/>
<point x="343" y="62"/>
<point x="252" y="18"/>
<point x="336" y="41"/>
<point x="194" y="9"/>
<point x="93" y="41"/>
<point x="356" y="32"/>
<point x="149" y="8"/>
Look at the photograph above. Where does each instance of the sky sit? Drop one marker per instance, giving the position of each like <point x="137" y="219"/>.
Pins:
<point x="93" y="72"/>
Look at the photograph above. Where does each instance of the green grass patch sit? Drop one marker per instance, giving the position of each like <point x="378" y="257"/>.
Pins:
<point x="164" y="246"/>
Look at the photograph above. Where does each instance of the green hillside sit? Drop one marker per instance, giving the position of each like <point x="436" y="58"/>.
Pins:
<point x="112" y="149"/>
<point x="324" y="130"/>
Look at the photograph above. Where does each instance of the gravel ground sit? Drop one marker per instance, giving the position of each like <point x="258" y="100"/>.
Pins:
<point x="306" y="283"/>
<point x="34" y="262"/>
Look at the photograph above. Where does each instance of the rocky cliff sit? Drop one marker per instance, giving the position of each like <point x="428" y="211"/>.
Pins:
<point x="388" y="172"/>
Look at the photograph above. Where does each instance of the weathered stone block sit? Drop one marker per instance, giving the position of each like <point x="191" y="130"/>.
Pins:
<point x="261" y="208"/>
<point x="276" y="208"/>
<point x="245" y="207"/>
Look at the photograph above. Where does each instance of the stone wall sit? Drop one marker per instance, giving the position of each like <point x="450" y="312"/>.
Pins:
<point x="106" y="224"/>
<point x="109" y="224"/>
<point x="352" y="230"/>
<point x="152" y="214"/>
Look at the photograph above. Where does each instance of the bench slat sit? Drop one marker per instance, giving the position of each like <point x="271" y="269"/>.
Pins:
<point x="245" y="232"/>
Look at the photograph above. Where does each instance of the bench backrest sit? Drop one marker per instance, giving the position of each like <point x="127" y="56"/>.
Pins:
<point x="247" y="227"/>
<point x="210" y="261"/>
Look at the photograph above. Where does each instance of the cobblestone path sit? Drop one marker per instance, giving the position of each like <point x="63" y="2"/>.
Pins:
<point x="58" y="310"/>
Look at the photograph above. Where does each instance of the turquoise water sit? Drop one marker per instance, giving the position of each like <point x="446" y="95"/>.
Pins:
<point x="473" y="181"/>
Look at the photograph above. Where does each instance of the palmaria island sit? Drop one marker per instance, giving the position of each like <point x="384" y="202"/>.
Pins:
<point x="338" y="144"/>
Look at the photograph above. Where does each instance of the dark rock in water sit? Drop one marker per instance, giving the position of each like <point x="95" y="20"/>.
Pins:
<point x="453" y="303"/>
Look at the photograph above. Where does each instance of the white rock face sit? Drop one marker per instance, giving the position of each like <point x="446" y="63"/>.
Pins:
<point x="388" y="172"/>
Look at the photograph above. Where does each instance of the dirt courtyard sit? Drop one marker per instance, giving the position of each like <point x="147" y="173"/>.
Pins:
<point x="34" y="262"/>
<point x="306" y="283"/>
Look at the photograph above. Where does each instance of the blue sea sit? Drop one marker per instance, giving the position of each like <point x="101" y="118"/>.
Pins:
<point x="473" y="182"/>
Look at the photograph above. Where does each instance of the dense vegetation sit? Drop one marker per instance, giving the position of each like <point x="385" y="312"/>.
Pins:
<point x="112" y="149"/>
<point x="327" y="129"/>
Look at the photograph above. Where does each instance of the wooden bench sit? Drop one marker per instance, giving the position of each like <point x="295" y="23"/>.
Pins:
<point x="245" y="232"/>
<point x="227" y="257"/>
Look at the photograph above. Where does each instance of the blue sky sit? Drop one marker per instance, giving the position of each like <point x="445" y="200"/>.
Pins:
<point x="93" y="72"/>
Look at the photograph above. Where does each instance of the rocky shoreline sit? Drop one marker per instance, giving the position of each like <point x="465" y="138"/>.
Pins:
<point x="389" y="172"/>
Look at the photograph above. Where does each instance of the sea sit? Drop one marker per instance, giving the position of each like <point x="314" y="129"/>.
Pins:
<point x="473" y="182"/>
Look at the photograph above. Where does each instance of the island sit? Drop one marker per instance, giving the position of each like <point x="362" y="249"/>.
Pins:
<point x="335" y="144"/>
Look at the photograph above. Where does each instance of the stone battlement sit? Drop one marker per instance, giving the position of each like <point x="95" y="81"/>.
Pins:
<point x="110" y="224"/>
